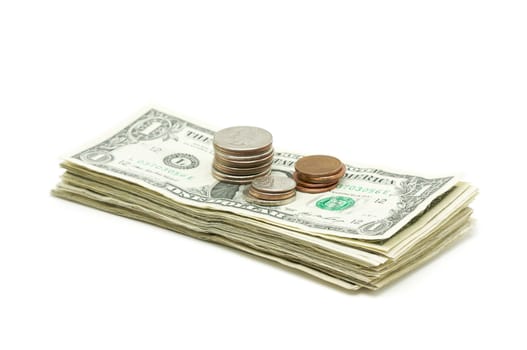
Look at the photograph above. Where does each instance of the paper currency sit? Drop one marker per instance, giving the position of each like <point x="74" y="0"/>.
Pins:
<point x="375" y="226"/>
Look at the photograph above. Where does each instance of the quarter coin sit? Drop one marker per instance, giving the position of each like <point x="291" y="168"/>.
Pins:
<point x="274" y="184"/>
<point x="271" y="196"/>
<point x="243" y="139"/>
<point x="228" y="170"/>
<point x="266" y="203"/>
<point x="243" y="158"/>
<point x="244" y="163"/>
<point x="237" y="179"/>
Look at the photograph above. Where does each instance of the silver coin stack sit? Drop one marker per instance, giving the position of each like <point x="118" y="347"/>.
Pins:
<point x="271" y="190"/>
<point x="242" y="154"/>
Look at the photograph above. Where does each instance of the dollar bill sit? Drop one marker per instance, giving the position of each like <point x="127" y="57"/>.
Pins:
<point x="375" y="227"/>
<point x="172" y="156"/>
<point x="338" y="264"/>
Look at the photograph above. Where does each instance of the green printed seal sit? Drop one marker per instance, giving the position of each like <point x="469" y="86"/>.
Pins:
<point x="335" y="203"/>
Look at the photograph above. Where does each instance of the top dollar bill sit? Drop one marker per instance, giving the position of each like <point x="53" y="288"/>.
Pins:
<point x="173" y="157"/>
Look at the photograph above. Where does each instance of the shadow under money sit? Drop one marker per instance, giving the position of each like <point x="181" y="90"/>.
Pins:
<point x="224" y="190"/>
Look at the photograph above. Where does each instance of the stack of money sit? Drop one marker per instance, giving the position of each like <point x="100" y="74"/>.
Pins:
<point x="317" y="174"/>
<point x="375" y="226"/>
<point x="271" y="190"/>
<point x="242" y="154"/>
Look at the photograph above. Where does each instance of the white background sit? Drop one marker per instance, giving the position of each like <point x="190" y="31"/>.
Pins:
<point x="433" y="87"/>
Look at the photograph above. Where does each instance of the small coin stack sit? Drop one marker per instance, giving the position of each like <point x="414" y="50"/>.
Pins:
<point x="271" y="190"/>
<point x="317" y="174"/>
<point x="242" y="154"/>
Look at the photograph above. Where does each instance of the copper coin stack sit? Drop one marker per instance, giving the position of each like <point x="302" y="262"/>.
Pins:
<point x="242" y="154"/>
<point x="271" y="190"/>
<point x="318" y="173"/>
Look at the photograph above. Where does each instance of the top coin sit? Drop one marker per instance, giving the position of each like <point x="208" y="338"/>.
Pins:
<point x="243" y="139"/>
<point x="318" y="165"/>
<point x="274" y="184"/>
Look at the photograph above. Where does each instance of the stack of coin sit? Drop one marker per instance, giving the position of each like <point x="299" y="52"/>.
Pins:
<point x="242" y="154"/>
<point x="271" y="190"/>
<point x="317" y="174"/>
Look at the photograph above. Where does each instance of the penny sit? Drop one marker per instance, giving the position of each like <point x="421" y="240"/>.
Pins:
<point x="318" y="165"/>
<point x="316" y="190"/>
<point x="310" y="184"/>
<point x="267" y="203"/>
<point x="273" y="184"/>
<point x="243" y="139"/>
<point x="323" y="179"/>
<point x="241" y="171"/>
<point x="271" y="196"/>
